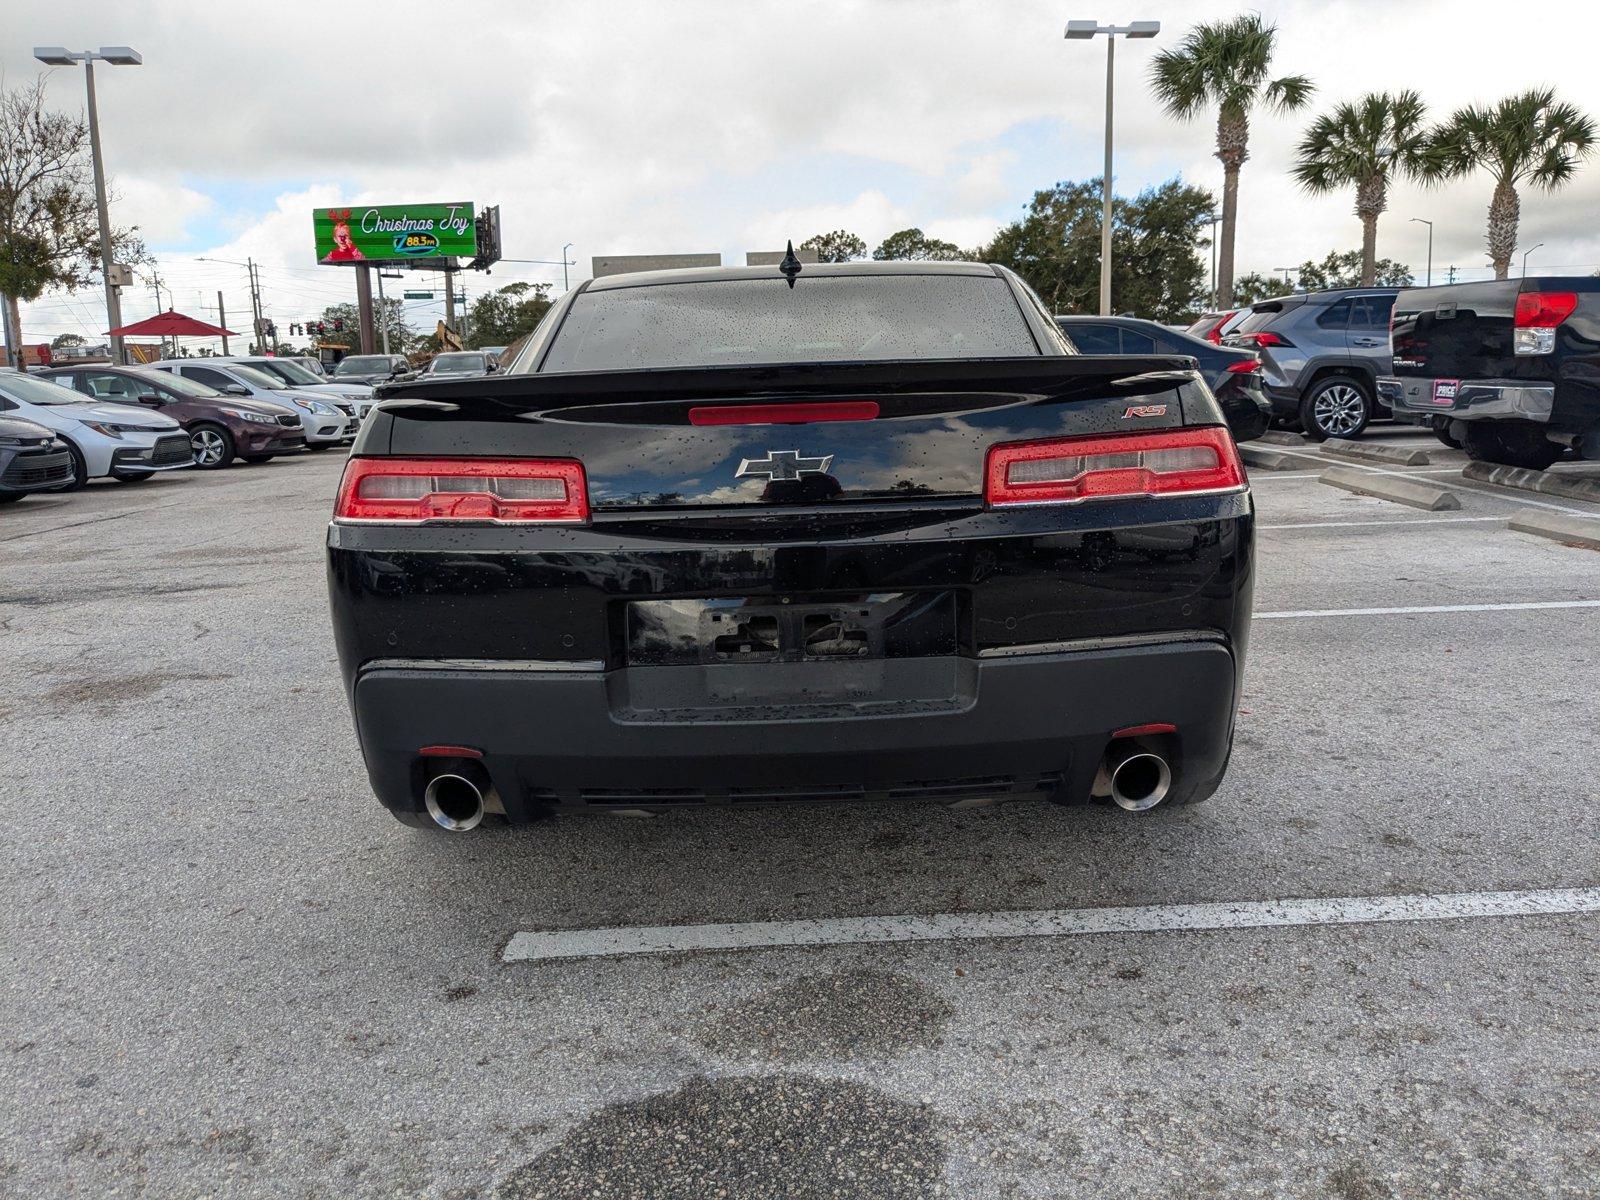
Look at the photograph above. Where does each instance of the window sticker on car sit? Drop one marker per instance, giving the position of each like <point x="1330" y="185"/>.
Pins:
<point x="1444" y="390"/>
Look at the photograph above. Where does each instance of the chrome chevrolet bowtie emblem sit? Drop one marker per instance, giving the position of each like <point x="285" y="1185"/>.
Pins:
<point x="783" y="464"/>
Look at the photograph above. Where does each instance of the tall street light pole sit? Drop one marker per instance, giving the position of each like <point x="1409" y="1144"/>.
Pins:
<point x="1429" y="224"/>
<point x="120" y="56"/>
<point x="565" y="263"/>
<point x="1081" y="31"/>
<point x="1525" y="254"/>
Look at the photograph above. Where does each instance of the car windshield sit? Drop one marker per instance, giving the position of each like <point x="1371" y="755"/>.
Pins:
<point x="255" y="378"/>
<point x="38" y="391"/>
<point x="838" y="318"/>
<point x="363" y="365"/>
<point x="290" y="372"/>
<point x="457" y="362"/>
<point x="184" y="386"/>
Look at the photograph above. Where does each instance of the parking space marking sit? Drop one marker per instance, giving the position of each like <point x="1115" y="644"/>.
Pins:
<point x="1393" y="521"/>
<point x="1423" y="608"/>
<point x="944" y="927"/>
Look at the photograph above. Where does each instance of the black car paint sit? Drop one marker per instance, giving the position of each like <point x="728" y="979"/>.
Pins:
<point x="1244" y="404"/>
<point x="1464" y="331"/>
<point x="1066" y="622"/>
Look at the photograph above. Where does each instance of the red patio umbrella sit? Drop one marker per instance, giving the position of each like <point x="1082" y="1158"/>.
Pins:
<point x="171" y="324"/>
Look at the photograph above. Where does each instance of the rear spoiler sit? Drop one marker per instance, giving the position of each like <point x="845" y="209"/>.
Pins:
<point x="1045" y="374"/>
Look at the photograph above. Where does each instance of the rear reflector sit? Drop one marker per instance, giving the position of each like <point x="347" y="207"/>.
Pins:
<point x="1065" y="470"/>
<point x="449" y="752"/>
<point x="784" y="414"/>
<point x="413" y="491"/>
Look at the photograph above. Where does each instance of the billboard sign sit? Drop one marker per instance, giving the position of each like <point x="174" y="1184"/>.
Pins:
<point x="395" y="233"/>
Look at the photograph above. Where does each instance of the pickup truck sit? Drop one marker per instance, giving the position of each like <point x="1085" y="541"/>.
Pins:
<point x="826" y="532"/>
<point x="1508" y="369"/>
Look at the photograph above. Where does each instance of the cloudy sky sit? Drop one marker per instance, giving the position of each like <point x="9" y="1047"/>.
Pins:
<point x="731" y="125"/>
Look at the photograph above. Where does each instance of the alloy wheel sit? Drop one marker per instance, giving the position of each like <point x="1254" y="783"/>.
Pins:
<point x="208" y="447"/>
<point x="1339" y="410"/>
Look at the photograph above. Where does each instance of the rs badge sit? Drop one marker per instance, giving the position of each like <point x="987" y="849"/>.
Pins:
<point x="1145" y="410"/>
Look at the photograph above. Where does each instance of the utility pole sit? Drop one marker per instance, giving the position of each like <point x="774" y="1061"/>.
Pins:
<point x="1452" y="278"/>
<point x="255" y="302"/>
<point x="450" y="301"/>
<point x="383" y="313"/>
<point x="222" y="321"/>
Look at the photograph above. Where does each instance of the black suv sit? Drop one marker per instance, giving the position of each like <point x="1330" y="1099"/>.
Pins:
<point x="1322" y="354"/>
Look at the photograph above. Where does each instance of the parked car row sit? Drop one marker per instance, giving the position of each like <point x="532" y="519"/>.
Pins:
<point x="62" y="427"/>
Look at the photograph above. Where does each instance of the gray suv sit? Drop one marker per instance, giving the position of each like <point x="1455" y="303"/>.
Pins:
<point x="1321" y="356"/>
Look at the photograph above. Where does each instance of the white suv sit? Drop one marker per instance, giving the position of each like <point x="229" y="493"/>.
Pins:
<point x="127" y="443"/>
<point x="324" y="422"/>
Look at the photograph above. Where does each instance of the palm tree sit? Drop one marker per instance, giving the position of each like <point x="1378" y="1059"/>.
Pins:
<point x="1529" y="138"/>
<point x="1364" y="144"/>
<point x="1226" y="64"/>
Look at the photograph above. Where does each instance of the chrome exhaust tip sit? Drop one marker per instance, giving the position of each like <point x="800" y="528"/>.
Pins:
<point x="1140" y="779"/>
<point x="454" y="802"/>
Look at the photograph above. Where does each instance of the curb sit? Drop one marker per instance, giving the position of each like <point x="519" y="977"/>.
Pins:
<point x="1383" y="454"/>
<point x="1572" y="531"/>
<point x="1384" y="487"/>
<point x="1547" y="482"/>
<point x="1266" y="460"/>
<point x="1282" y="437"/>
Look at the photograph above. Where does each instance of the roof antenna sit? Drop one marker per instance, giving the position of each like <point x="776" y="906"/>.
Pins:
<point x="790" y="265"/>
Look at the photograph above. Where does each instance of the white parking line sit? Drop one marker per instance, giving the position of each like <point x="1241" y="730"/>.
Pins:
<point x="1392" y="521"/>
<point x="1423" y="608"/>
<point x="944" y="927"/>
<point x="1274" y="475"/>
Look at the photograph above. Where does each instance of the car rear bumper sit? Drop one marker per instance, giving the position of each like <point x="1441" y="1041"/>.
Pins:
<point x="558" y="737"/>
<point x="1412" y="399"/>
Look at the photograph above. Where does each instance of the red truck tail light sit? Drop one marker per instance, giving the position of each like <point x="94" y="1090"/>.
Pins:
<point x="1536" y="317"/>
<point x="1065" y="470"/>
<point x="413" y="491"/>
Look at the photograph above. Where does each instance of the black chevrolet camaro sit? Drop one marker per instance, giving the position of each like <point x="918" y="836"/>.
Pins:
<point x="765" y="535"/>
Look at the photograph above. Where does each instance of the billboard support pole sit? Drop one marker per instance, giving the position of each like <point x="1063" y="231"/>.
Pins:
<point x="364" y="305"/>
<point x="450" y="301"/>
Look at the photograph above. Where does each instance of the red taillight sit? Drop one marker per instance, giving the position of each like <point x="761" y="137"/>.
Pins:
<point x="1065" y="470"/>
<point x="1245" y="366"/>
<point x="1215" y="332"/>
<point x="503" y="490"/>
<point x="1544" y="310"/>
<point x="1265" y="338"/>
<point x="783" y="414"/>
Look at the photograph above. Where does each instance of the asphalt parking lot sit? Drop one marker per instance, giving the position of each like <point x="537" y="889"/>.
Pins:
<point x="228" y="972"/>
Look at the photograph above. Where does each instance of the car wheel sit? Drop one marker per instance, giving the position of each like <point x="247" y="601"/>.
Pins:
<point x="80" y="471"/>
<point x="1441" y="430"/>
<point x="1335" y="407"/>
<point x="212" y="446"/>
<point x="1510" y="444"/>
<point x="134" y="477"/>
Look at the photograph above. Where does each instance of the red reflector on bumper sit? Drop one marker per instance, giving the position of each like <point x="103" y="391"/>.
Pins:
<point x="783" y="414"/>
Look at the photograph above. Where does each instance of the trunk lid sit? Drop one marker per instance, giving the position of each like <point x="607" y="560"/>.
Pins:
<point x="653" y="439"/>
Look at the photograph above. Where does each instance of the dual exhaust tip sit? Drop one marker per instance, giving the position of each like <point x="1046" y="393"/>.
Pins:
<point x="1138" y="778"/>
<point x="454" y="799"/>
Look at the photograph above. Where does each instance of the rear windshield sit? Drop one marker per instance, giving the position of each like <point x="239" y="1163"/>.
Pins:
<point x="827" y="319"/>
<point x="458" y="362"/>
<point x="364" y="365"/>
<point x="1260" y="317"/>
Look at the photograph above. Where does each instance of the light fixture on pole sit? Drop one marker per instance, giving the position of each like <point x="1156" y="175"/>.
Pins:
<point x="1082" y="31"/>
<point x="1429" y="224"/>
<point x="117" y="56"/>
<point x="1525" y="254"/>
